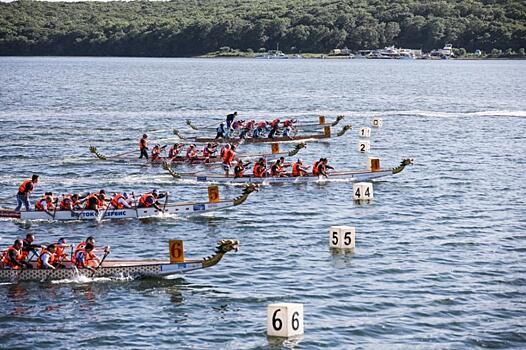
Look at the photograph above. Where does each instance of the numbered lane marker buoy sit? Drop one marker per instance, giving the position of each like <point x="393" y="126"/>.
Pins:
<point x="377" y="122"/>
<point x="362" y="191"/>
<point x="176" y="251"/>
<point x="284" y="320"/>
<point x="364" y="146"/>
<point x="364" y="132"/>
<point x="374" y="164"/>
<point x="342" y="237"/>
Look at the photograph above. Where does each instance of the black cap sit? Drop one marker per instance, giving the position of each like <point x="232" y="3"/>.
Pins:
<point x="34" y="177"/>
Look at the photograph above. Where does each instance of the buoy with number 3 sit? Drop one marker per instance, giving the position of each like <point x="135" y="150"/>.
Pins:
<point x="284" y="320"/>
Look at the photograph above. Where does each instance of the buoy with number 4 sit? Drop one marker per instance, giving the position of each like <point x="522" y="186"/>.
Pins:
<point x="284" y="320"/>
<point x="364" y="146"/>
<point x="377" y="122"/>
<point x="362" y="191"/>
<point x="342" y="237"/>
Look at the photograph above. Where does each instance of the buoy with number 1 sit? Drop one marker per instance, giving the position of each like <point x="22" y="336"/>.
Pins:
<point x="365" y="132"/>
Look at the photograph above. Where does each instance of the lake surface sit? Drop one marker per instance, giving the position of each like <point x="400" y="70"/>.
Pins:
<point x="440" y="254"/>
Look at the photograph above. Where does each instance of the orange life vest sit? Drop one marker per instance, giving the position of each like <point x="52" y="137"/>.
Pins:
<point x="296" y="169"/>
<point x="5" y="258"/>
<point x="287" y="123"/>
<point x="274" y="123"/>
<point x="40" y="207"/>
<point x="89" y="259"/>
<point x="143" y="143"/>
<point x="66" y="203"/>
<point x="258" y="170"/>
<point x="23" y="186"/>
<point x="315" y="169"/>
<point x="115" y="201"/>
<point x="229" y="157"/>
<point x="60" y="253"/>
<point x="239" y="171"/>
<point x="79" y="246"/>
<point x="143" y="200"/>
<point x="51" y="259"/>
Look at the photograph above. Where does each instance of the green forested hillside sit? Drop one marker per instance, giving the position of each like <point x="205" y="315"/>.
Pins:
<point x="192" y="27"/>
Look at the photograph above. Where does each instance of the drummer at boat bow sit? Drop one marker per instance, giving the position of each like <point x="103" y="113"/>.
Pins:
<point x="143" y="146"/>
<point x="24" y="191"/>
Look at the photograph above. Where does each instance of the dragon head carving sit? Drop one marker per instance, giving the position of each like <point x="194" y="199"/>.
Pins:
<point x="297" y="148"/>
<point x="402" y="165"/>
<point x="166" y="166"/>
<point x="178" y="134"/>
<point x="338" y="119"/>
<point x="246" y="192"/>
<point x="344" y="129"/>
<point x="93" y="150"/>
<point x="227" y="245"/>
<point x="189" y="123"/>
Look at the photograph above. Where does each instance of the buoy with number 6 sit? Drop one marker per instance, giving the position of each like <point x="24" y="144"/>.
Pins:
<point x="364" y="146"/>
<point x="377" y="122"/>
<point x="342" y="237"/>
<point x="362" y="191"/>
<point x="365" y="132"/>
<point x="284" y="320"/>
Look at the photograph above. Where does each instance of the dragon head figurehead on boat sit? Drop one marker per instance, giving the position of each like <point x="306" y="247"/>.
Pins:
<point x="402" y="165"/>
<point x="338" y="119"/>
<point x="178" y="134"/>
<point x="246" y="192"/>
<point x="93" y="150"/>
<point x="189" y="123"/>
<point x="223" y="246"/>
<point x="344" y="130"/>
<point x="297" y="148"/>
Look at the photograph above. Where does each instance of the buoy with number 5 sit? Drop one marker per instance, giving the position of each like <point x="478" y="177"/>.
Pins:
<point x="284" y="320"/>
<point x="342" y="237"/>
<point x="362" y="191"/>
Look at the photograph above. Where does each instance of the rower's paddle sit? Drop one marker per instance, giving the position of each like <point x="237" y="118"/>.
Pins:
<point x="124" y="154"/>
<point x="100" y="217"/>
<point x="106" y="252"/>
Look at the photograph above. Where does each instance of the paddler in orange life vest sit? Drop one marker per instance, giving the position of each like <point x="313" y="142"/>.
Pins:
<point x="46" y="259"/>
<point x="259" y="169"/>
<point x="228" y="158"/>
<point x="143" y="146"/>
<point x="22" y="197"/>
<point x="156" y="152"/>
<point x="174" y="150"/>
<point x="276" y="169"/>
<point x="120" y="201"/>
<point x="82" y="245"/>
<point x="191" y="152"/>
<point x="85" y="258"/>
<point x="320" y="167"/>
<point x="149" y="199"/>
<point x="60" y="252"/>
<point x="29" y="249"/>
<point x="209" y="150"/>
<point x="298" y="169"/>
<point x="12" y="257"/>
<point x="239" y="169"/>
<point x="69" y="202"/>
<point x="96" y="201"/>
<point x="45" y="203"/>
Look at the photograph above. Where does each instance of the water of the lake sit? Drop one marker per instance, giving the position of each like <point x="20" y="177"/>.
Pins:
<point x="440" y="258"/>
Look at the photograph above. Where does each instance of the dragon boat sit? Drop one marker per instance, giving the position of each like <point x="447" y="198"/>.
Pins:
<point x="327" y="133"/>
<point x="352" y="176"/>
<point x="197" y="160"/>
<point x="121" y="268"/>
<point x="180" y="209"/>
<point x="298" y="125"/>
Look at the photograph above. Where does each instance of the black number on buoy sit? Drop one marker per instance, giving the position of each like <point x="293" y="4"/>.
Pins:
<point x="347" y="238"/>
<point x="357" y="193"/>
<point x="276" y="322"/>
<point x="362" y="149"/>
<point x="367" y="193"/>
<point x="335" y="238"/>
<point x="295" y="321"/>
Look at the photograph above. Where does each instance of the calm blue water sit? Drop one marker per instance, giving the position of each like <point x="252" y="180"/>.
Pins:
<point x="441" y="251"/>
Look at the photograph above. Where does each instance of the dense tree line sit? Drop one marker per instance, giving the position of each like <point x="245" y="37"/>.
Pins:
<point x="193" y="27"/>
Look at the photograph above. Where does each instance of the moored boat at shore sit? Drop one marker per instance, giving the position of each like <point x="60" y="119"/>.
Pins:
<point x="121" y="268"/>
<point x="352" y="176"/>
<point x="179" y="209"/>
